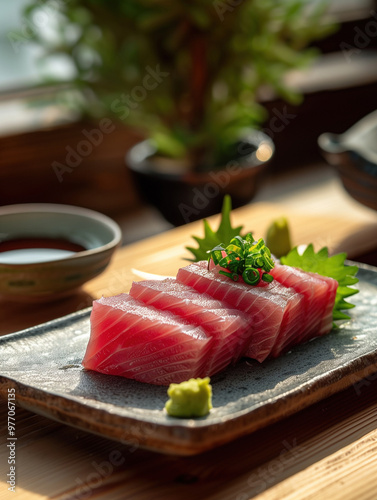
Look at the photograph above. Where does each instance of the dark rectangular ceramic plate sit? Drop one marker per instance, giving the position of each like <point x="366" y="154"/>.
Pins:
<point x="43" y="364"/>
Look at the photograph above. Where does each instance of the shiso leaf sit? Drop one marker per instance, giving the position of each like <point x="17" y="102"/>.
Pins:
<point x="334" y="267"/>
<point x="225" y="232"/>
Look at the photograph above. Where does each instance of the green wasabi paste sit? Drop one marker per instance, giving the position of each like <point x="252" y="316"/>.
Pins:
<point x="192" y="398"/>
<point x="278" y="237"/>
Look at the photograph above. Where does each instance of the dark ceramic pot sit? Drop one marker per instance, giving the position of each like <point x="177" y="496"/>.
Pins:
<point x="354" y="154"/>
<point x="183" y="196"/>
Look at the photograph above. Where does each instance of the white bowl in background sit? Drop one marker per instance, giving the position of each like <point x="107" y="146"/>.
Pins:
<point x="47" y="279"/>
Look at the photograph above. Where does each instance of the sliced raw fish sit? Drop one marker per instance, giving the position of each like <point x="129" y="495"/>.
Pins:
<point x="195" y="325"/>
<point x="327" y="319"/>
<point x="319" y="296"/>
<point x="274" y="310"/>
<point x="140" y="342"/>
<point x="227" y="327"/>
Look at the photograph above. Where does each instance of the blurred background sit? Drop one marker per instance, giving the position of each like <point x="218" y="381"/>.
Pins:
<point x="61" y="71"/>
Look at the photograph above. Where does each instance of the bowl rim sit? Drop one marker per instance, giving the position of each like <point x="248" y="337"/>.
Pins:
<point x="335" y="143"/>
<point x="51" y="208"/>
<point x="139" y="158"/>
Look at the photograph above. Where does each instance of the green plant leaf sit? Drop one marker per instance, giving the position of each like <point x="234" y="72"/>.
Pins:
<point x="195" y="67"/>
<point x="334" y="267"/>
<point x="224" y="233"/>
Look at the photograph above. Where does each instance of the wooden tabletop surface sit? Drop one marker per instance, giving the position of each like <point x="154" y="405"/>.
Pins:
<point x="326" y="451"/>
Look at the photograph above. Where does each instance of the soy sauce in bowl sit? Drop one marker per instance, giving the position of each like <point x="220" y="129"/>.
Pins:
<point x="33" y="250"/>
<point x="48" y="251"/>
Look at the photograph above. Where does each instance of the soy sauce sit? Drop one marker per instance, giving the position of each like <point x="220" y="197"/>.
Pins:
<point x="32" y="250"/>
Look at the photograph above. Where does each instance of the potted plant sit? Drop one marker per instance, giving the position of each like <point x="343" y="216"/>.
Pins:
<point x="187" y="74"/>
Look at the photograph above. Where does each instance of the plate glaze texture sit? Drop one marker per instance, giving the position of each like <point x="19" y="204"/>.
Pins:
<point x="43" y="363"/>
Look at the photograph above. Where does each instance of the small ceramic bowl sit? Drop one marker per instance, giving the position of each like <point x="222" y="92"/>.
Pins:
<point x="354" y="155"/>
<point x="88" y="240"/>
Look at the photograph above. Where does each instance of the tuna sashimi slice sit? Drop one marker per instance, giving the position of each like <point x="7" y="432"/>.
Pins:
<point x="273" y="309"/>
<point x="327" y="319"/>
<point x="319" y="296"/>
<point x="313" y="291"/>
<point x="227" y="327"/>
<point x="133" y="340"/>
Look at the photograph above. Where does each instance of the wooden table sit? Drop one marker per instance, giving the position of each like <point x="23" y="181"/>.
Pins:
<point x="325" y="451"/>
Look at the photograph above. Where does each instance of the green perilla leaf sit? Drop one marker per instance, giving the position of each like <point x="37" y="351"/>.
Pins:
<point x="225" y="232"/>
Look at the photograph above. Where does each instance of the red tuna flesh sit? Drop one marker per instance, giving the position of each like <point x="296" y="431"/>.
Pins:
<point x="227" y="327"/>
<point x="140" y="342"/>
<point x="273" y="309"/>
<point x="327" y="319"/>
<point x="319" y="296"/>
